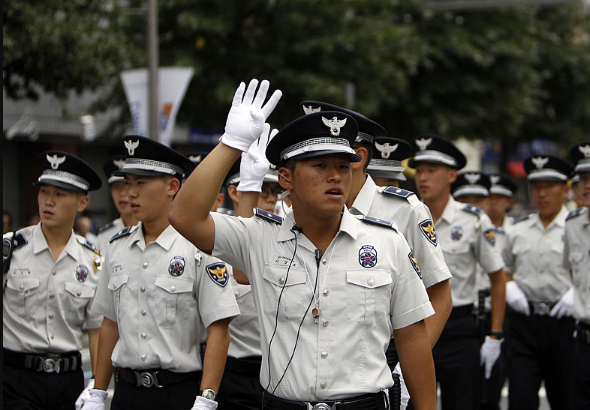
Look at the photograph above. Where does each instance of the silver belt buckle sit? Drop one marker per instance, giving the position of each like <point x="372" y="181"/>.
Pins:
<point x="542" y="309"/>
<point x="51" y="365"/>
<point x="147" y="379"/>
<point x="322" y="406"/>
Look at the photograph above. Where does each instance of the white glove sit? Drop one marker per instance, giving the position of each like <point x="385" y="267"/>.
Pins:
<point x="565" y="305"/>
<point x="516" y="298"/>
<point x="95" y="400"/>
<point x="489" y="353"/>
<point x="405" y="394"/>
<point x="85" y="395"/>
<point x="202" y="403"/>
<point x="247" y="116"/>
<point x="254" y="165"/>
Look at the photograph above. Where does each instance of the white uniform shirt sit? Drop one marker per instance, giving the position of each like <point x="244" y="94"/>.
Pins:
<point x="244" y="329"/>
<point x="534" y="256"/>
<point x="467" y="236"/>
<point x="344" y="354"/>
<point x="413" y="219"/>
<point x="48" y="302"/>
<point x="107" y="232"/>
<point x="162" y="296"/>
<point x="577" y="258"/>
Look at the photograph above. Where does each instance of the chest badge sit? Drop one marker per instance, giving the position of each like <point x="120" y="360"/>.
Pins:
<point x="414" y="263"/>
<point x="427" y="228"/>
<point x="81" y="273"/>
<point x="176" y="267"/>
<point x="490" y="236"/>
<point x="368" y="256"/>
<point x="456" y="233"/>
<point x="218" y="273"/>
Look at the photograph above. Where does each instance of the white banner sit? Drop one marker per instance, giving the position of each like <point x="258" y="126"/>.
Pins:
<point x="172" y="85"/>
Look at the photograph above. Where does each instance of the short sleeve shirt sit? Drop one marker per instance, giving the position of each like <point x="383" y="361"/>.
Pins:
<point x="577" y="258"/>
<point x="534" y="257"/>
<point x="412" y="218"/>
<point x="366" y="285"/>
<point x="467" y="237"/>
<point x="48" y="302"/>
<point x="244" y="329"/>
<point x="163" y="296"/>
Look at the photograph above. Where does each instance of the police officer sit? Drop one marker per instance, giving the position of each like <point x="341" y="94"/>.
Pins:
<point x="157" y="294"/>
<point x="120" y="199"/>
<point x="329" y="289"/>
<point x="502" y="191"/>
<point x="540" y="292"/>
<point x="50" y="278"/>
<point x="464" y="235"/>
<point x="385" y="166"/>
<point x="577" y="258"/>
<point x="472" y="187"/>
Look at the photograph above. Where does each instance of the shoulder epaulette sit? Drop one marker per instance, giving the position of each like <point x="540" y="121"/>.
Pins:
<point x="499" y="229"/>
<point x="401" y="193"/>
<point x="86" y="243"/>
<point x="268" y="216"/>
<point x="123" y="232"/>
<point x="376" y="221"/>
<point x="472" y="209"/>
<point x="574" y="213"/>
<point x="19" y="240"/>
<point x="524" y="218"/>
<point x="107" y="226"/>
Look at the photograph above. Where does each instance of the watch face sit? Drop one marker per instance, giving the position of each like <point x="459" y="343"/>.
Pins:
<point x="208" y="394"/>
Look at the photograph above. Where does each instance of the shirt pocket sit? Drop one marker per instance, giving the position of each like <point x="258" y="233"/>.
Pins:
<point x="368" y="295"/>
<point x="20" y="294"/>
<point x="459" y="259"/>
<point x="75" y="299"/>
<point x="117" y="284"/>
<point x="173" y="299"/>
<point x="287" y="291"/>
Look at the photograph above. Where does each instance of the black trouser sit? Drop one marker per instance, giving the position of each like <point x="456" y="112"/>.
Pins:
<point x="240" y="387"/>
<point x="456" y="361"/>
<point x="581" y="393"/>
<point x="176" y="396"/>
<point x="26" y="389"/>
<point x="540" y="349"/>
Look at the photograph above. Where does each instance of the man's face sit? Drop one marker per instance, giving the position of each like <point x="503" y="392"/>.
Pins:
<point x="584" y="188"/>
<point x="320" y="185"/>
<point x="382" y="181"/>
<point x="267" y="199"/>
<point x="149" y="197"/>
<point x="119" y="195"/>
<point x="548" y="196"/>
<point x="477" y="200"/>
<point x="58" y="207"/>
<point x="498" y="205"/>
<point x="434" y="180"/>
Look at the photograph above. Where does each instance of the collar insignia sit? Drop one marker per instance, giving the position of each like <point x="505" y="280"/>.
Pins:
<point x="386" y="149"/>
<point x="55" y="161"/>
<point x="539" y="162"/>
<point x="334" y="124"/>
<point x="218" y="273"/>
<point x="423" y="143"/>
<point x="427" y="228"/>
<point x="131" y="146"/>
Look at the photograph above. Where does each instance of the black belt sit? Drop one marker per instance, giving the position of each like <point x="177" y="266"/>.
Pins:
<point x="153" y="377"/>
<point x="461" y="311"/>
<point x="583" y="333"/>
<point x="372" y="401"/>
<point x="248" y="365"/>
<point x="45" y="362"/>
<point x="541" y="308"/>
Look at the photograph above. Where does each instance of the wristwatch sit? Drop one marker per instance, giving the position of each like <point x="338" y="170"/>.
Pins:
<point x="497" y="335"/>
<point x="209" y="394"/>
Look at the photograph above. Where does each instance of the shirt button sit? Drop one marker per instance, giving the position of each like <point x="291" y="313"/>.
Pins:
<point x="324" y="261"/>
<point x="237" y="294"/>
<point x="143" y="357"/>
<point x="79" y="293"/>
<point x="50" y="316"/>
<point x="143" y="313"/>
<point x="114" y="285"/>
<point x="51" y="336"/>
<point x="172" y="288"/>
<point x="143" y="335"/>
<point x="142" y="289"/>
<point x="325" y="292"/>
<point x="324" y="354"/>
<point x="370" y="282"/>
<point x="281" y="281"/>
<point x="51" y="296"/>
<point x="22" y="287"/>
<point x="145" y="265"/>
<point x="325" y="323"/>
<point x="323" y="385"/>
<point x="54" y="272"/>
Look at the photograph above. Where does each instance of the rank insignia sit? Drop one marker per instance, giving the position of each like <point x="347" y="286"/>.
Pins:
<point x="96" y="265"/>
<point x="490" y="236"/>
<point x="81" y="273"/>
<point x="456" y="233"/>
<point x="427" y="228"/>
<point x="218" y="273"/>
<point x="176" y="267"/>
<point x="414" y="263"/>
<point x="368" y="256"/>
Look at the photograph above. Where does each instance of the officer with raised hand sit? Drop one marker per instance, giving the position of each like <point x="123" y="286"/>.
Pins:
<point x="540" y="292"/>
<point x="329" y="288"/>
<point x="158" y="294"/>
<point x="50" y="278"/>
<point x="576" y="257"/>
<point x="120" y="199"/>
<point x="463" y="232"/>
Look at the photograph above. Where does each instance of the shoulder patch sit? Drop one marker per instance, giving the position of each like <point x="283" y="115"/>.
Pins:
<point x="268" y="216"/>
<point x="524" y="218"/>
<point x="107" y="226"/>
<point x="19" y="241"/>
<point x="472" y="209"/>
<point x="376" y="221"/>
<point x="123" y="232"/>
<point x="574" y="213"/>
<point x="401" y="193"/>
<point x="427" y="228"/>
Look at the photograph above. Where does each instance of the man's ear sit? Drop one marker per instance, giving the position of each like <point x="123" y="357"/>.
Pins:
<point x="363" y="153"/>
<point x="285" y="178"/>
<point x="452" y="175"/>
<point x="173" y="186"/>
<point x="83" y="203"/>
<point x="232" y="191"/>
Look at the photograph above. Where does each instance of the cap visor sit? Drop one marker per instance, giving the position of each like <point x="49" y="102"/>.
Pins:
<point x="142" y="172"/>
<point x="58" y="184"/>
<point x="351" y="156"/>
<point x="399" y="176"/>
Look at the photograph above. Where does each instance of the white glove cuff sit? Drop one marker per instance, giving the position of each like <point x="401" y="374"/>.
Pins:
<point x="235" y="142"/>
<point x="99" y="394"/>
<point x="250" y="186"/>
<point x="494" y="341"/>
